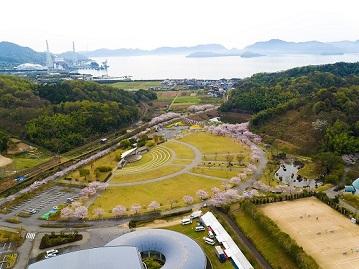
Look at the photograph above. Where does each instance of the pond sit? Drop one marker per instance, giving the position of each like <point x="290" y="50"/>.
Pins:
<point x="288" y="174"/>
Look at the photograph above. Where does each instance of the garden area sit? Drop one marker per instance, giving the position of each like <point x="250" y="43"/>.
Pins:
<point x="54" y="239"/>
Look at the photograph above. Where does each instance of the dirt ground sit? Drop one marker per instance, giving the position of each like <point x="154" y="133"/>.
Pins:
<point x="4" y="161"/>
<point x="330" y="238"/>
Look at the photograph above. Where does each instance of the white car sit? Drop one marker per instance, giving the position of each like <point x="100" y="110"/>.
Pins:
<point x="32" y="211"/>
<point x="52" y="251"/>
<point x="209" y="241"/>
<point x="47" y="256"/>
<point x="199" y="228"/>
<point x="186" y="221"/>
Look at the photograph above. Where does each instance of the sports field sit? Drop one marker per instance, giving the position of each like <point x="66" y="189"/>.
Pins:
<point x="330" y="238"/>
<point x="171" y="170"/>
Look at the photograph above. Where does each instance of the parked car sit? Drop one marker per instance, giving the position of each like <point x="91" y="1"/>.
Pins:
<point x="209" y="241"/>
<point x="52" y="251"/>
<point x="50" y="255"/>
<point x="69" y="200"/>
<point x="196" y="214"/>
<point x="186" y="221"/>
<point x="210" y="234"/>
<point x="199" y="228"/>
<point x="32" y="211"/>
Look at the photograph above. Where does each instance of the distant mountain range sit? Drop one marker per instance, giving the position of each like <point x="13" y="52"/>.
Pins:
<point x="270" y="47"/>
<point x="12" y="54"/>
<point x="277" y="46"/>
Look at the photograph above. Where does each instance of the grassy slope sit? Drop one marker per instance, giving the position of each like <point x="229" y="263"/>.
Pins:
<point x="271" y="251"/>
<point x="292" y="131"/>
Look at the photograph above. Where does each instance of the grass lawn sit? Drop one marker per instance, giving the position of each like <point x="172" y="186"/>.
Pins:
<point x="108" y="160"/>
<point x="211" y="144"/>
<point x="25" y="161"/>
<point x="144" y="175"/>
<point x="163" y="192"/>
<point x="271" y="251"/>
<point x="9" y="236"/>
<point x="223" y="172"/>
<point x="136" y="85"/>
<point x="181" y="151"/>
<point x="325" y="187"/>
<point x="351" y="199"/>
<point x="310" y="170"/>
<point x="188" y="100"/>
<point x="208" y="249"/>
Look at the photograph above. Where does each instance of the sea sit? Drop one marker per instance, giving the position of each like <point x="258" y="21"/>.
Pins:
<point x="181" y="67"/>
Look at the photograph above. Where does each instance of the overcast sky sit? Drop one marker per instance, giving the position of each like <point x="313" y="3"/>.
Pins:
<point x="152" y="23"/>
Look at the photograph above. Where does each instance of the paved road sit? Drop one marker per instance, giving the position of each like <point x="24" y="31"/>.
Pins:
<point x="195" y="162"/>
<point x="245" y="241"/>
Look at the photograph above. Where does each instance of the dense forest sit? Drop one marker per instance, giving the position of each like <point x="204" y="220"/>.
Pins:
<point x="316" y="108"/>
<point x="66" y="114"/>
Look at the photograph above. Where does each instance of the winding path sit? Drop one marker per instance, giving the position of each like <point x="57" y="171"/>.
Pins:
<point x="195" y="162"/>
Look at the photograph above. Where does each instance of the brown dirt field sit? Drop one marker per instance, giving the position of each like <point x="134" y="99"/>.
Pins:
<point x="4" y="161"/>
<point x="332" y="240"/>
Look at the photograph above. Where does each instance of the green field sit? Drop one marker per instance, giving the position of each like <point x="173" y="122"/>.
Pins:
<point x="166" y="159"/>
<point x="120" y="176"/>
<point x="192" y="100"/>
<point x="213" y="144"/>
<point x="268" y="247"/>
<point x="136" y="85"/>
<point x="163" y="192"/>
<point x="109" y="160"/>
<point x="351" y="199"/>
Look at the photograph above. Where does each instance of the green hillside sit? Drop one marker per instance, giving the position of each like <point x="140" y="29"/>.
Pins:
<point x="66" y="114"/>
<point x="311" y="111"/>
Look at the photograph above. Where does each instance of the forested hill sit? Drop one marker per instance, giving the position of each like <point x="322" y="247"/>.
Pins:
<point x="316" y="108"/>
<point x="66" y="114"/>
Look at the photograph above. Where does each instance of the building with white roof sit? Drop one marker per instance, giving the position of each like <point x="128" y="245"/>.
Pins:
<point x="231" y="249"/>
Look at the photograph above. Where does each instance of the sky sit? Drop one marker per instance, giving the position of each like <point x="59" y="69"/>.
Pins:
<point x="148" y="24"/>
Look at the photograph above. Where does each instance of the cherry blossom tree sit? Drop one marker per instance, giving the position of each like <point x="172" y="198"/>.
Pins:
<point x="118" y="211"/>
<point x="164" y="117"/>
<point x="154" y="205"/>
<point x="99" y="212"/>
<point x="215" y="190"/>
<point x="136" y="208"/>
<point x="198" y="108"/>
<point x="67" y="212"/>
<point x="235" y="180"/>
<point x="188" y="199"/>
<point x="88" y="191"/>
<point x="202" y="194"/>
<point x="81" y="212"/>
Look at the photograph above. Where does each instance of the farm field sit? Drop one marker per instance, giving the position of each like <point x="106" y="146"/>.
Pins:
<point x="326" y="235"/>
<point x="168" y="172"/>
<point x="136" y="85"/>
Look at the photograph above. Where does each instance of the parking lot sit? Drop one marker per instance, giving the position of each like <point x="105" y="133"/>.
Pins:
<point x="43" y="202"/>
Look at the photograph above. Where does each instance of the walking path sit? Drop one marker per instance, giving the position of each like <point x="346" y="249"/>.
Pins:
<point x="195" y="162"/>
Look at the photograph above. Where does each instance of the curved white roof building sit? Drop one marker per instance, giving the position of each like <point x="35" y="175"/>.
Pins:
<point x="177" y="251"/>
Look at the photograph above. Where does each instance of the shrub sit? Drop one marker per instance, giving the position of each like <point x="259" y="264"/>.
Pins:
<point x="52" y="240"/>
<point x="104" y="169"/>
